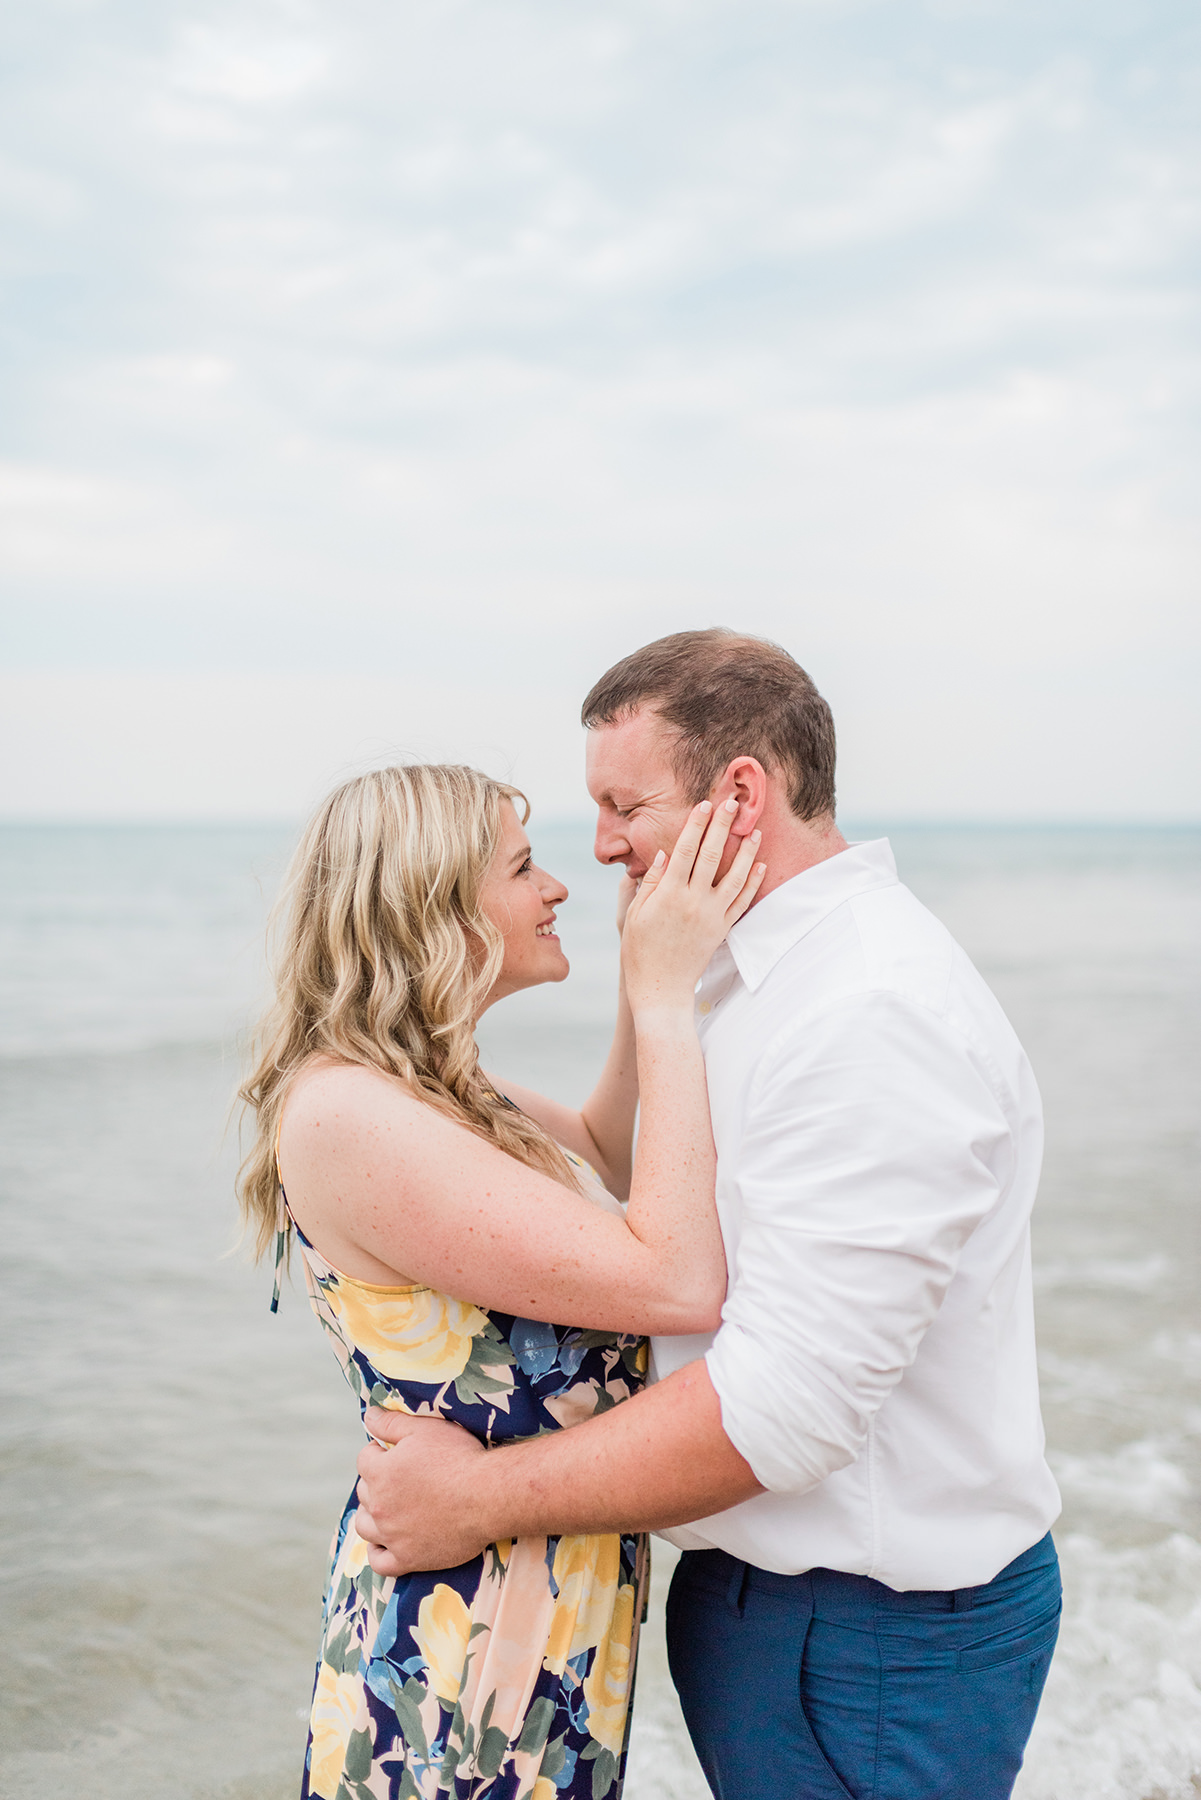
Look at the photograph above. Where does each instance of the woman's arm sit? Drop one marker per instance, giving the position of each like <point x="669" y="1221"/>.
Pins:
<point x="602" y="1131"/>
<point x="390" y="1190"/>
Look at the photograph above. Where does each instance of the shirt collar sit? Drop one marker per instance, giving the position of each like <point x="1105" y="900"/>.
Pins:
<point x="763" y="935"/>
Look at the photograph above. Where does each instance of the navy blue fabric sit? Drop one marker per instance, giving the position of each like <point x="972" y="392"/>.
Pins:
<point x="832" y="1687"/>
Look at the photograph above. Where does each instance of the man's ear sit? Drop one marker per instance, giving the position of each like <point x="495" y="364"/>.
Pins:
<point x="746" y="780"/>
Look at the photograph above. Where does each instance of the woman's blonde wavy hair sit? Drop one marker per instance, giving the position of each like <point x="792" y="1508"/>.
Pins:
<point x="384" y="958"/>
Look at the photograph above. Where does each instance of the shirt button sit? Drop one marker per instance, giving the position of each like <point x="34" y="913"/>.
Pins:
<point x="704" y="1007"/>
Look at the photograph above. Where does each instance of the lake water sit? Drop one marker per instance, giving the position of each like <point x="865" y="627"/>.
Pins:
<point x="173" y="1457"/>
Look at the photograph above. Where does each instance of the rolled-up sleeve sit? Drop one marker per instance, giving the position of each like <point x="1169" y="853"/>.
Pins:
<point x="877" y="1136"/>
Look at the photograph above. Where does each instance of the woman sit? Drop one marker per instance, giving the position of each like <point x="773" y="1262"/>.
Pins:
<point x="443" y="1221"/>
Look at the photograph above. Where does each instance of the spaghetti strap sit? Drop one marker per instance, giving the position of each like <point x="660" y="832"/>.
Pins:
<point x="281" y="1247"/>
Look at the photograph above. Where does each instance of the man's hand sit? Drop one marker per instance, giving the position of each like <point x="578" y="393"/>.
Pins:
<point x="423" y="1523"/>
<point x="438" y="1498"/>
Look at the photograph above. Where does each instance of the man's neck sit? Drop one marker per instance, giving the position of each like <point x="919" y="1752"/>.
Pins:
<point x="791" y="845"/>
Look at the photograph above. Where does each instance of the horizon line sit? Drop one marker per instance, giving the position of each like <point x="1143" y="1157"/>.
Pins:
<point x="881" y="820"/>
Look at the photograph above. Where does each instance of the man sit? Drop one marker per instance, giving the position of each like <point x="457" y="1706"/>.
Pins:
<point x="868" y="1597"/>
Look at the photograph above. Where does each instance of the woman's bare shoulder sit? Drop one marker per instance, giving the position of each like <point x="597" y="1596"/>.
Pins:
<point x="332" y="1101"/>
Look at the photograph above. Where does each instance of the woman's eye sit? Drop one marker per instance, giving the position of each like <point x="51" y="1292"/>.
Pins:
<point x="526" y="866"/>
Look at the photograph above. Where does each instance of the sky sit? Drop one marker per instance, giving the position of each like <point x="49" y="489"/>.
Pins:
<point x="376" y="373"/>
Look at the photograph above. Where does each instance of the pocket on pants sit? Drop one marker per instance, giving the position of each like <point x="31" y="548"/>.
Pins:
<point x="1014" y="1619"/>
<point x="957" y="1719"/>
<point x="1026" y="1640"/>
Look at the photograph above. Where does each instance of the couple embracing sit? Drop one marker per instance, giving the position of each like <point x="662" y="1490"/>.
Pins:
<point x="791" y="1330"/>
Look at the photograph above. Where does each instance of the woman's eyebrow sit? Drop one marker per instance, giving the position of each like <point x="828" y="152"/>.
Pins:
<point x="520" y="855"/>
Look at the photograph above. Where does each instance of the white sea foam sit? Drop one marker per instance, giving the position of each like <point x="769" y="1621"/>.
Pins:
<point x="1121" y="1717"/>
<point x="1141" y="1276"/>
<point x="1143" y="1478"/>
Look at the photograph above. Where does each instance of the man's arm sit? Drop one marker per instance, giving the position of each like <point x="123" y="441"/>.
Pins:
<point x="438" y="1497"/>
<point x="873" y="1148"/>
<point x="875" y="1144"/>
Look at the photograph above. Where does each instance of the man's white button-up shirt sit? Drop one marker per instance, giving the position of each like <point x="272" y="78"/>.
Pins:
<point x="879" y="1136"/>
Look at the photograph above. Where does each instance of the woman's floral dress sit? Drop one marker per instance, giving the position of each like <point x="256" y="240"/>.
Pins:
<point x="509" y="1678"/>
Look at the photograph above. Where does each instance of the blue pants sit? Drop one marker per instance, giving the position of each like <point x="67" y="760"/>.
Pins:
<point x="832" y="1687"/>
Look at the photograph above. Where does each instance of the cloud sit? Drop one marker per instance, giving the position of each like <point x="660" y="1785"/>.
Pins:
<point x="158" y="744"/>
<point x="458" y="343"/>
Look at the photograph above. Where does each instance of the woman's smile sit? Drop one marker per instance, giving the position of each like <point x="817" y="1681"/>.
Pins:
<point x="518" y="897"/>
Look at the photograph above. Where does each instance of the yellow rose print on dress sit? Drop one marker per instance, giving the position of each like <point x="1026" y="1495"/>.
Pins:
<point x="355" y="1560"/>
<point x="442" y="1631"/>
<point x="607" y="1684"/>
<point x="586" y="1572"/>
<point x="335" y="1704"/>
<point x="419" y="1335"/>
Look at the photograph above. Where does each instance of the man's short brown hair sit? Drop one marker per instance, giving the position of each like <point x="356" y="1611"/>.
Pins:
<point x="725" y="695"/>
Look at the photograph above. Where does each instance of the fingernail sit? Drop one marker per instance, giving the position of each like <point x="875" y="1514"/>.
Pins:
<point x="705" y="806"/>
<point x="755" y="836"/>
<point x="659" y="858"/>
<point x="731" y="804"/>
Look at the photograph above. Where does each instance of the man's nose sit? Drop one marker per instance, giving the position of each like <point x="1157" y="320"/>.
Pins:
<point x="611" y="845"/>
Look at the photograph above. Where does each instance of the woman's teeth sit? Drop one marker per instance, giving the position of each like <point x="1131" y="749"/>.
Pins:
<point x="545" y="930"/>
